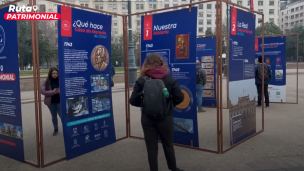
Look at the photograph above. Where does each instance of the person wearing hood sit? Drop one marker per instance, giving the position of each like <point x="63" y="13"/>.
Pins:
<point x="200" y="83"/>
<point x="155" y="68"/>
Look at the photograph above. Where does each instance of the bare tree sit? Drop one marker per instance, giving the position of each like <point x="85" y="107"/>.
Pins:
<point x="49" y="31"/>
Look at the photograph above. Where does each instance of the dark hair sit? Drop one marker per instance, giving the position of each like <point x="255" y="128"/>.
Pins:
<point x="260" y="59"/>
<point x="151" y="61"/>
<point x="49" y="77"/>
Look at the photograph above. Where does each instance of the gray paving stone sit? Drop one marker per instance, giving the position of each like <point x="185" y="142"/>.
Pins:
<point x="296" y="169"/>
<point x="259" y="164"/>
<point x="274" y="170"/>
<point x="289" y="162"/>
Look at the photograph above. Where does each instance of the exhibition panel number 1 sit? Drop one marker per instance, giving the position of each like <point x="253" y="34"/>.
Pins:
<point x="84" y="49"/>
<point x="175" y="41"/>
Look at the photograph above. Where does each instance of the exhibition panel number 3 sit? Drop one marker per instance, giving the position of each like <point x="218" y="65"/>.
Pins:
<point x="84" y="49"/>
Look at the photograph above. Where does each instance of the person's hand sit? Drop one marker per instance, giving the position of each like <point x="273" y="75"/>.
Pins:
<point x="56" y="91"/>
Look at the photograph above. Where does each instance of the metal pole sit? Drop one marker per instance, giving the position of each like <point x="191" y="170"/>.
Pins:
<point x="131" y="56"/>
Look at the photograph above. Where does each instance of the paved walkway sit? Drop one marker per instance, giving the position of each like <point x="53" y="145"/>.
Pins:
<point x="279" y="148"/>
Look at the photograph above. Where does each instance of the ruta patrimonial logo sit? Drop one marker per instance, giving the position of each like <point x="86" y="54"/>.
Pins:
<point x="28" y="13"/>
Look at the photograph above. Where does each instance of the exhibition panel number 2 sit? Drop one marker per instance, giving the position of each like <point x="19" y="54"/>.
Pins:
<point x="242" y="89"/>
<point x="175" y="41"/>
<point x="84" y="49"/>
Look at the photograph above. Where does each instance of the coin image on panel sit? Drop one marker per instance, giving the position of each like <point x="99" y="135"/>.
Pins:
<point x="186" y="102"/>
<point x="100" y="58"/>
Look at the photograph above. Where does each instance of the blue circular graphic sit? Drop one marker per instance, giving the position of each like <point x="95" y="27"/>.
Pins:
<point x="2" y="39"/>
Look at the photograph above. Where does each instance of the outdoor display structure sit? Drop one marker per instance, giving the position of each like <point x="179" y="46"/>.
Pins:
<point x="148" y="40"/>
<point x="85" y="80"/>
<point x="174" y="40"/>
<point x="11" y="132"/>
<point x="182" y="34"/>
<point x="83" y="118"/>
<point x="206" y="54"/>
<point x="275" y="57"/>
<point x="242" y="88"/>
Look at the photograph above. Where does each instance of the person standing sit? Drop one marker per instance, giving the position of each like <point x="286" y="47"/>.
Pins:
<point x="50" y="89"/>
<point x="155" y="88"/>
<point x="112" y="75"/>
<point x="200" y="83"/>
<point x="258" y="81"/>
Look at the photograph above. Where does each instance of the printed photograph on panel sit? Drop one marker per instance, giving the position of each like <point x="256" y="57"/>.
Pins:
<point x="11" y="130"/>
<point x="77" y="106"/>
<point x="209" y="71"/>
<point x="279" y="74"/>
<point x="268" y="61"/>
<point x="99" y="83"/>
<point x="208" y="93"/>
<point x="101" y="102"/>
<point x="183" y="125"/>
<point x="209" y="86"/>
<point x="182" y="46"/>
<point x="207" y="58"/>
<point x="100" y="57"/>
<point x="210" y="78"/>
<point x="242" y="108"/>
<point x="278" y="61"/>
<point x="208" y="65"/>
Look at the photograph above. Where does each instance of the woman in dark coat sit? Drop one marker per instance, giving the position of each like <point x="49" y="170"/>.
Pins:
<point x="155" y="68"/>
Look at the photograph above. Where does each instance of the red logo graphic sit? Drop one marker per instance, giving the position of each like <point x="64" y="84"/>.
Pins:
<point x="66" y="20"/>
<point x="7" y="77"/>
<point x="233" y="20"/>
<point x="66" y="25"/>
<point x="256" y="44"/>
<point x="148" y="27"/>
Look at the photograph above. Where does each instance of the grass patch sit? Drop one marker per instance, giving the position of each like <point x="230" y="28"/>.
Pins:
<point x="30" y="73"/>
<point x="45" y="72"/>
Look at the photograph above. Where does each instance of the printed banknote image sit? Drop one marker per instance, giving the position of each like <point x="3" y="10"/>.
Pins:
<point x="209" y="71"/>
<point x="208" y="93"/>
<point x="182" y="46"/>
<point x="77" y="106"/>
<point x="183" y="125"/>
<point x="208" y="65"/>
<point x="209" y="86"/>
<point x="100" y="57"/>
<point x="210" y="78"/>
<point x="101" y="102"/>
<point x="99" y="83"/>
<point x="11" y="130"/>
<point x="207" y="58"/>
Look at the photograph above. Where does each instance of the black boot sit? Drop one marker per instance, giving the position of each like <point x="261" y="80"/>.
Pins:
<point x="55" y="132"/>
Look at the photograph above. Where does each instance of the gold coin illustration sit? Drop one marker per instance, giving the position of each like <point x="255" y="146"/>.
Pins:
<point x="186" y="102"/>
<point x="100" y="58"/>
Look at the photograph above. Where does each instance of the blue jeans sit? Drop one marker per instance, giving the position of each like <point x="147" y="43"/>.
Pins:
<point x="55" y="109"/>
<point x="199" y="95"/>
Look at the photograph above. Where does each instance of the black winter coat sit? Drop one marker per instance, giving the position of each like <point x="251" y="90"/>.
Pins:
<point x="176" y="95"/>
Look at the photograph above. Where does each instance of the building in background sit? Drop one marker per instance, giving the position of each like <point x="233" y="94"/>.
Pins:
<point x="292" y="15"/>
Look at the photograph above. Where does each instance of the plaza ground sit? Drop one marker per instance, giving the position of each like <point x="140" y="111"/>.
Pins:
<point x="280" y="147"/>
